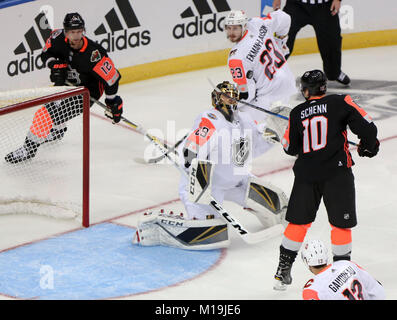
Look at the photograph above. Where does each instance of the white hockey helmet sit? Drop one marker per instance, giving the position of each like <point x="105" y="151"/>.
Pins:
<point x="237" y="18"/>
<point x="314" y="253"/>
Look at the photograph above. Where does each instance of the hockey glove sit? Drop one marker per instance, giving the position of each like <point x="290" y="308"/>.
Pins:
<point x="58" y="72"/>
<point x="115" y="108"/>
<point x="365" y="152"/>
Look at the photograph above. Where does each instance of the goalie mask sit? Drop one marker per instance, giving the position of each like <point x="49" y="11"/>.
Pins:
<point x="224" y="99"/>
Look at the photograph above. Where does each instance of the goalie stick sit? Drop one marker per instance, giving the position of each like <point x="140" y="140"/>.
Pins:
<point x="259" y="108"/>
<point x="171" y="149"/>
<point x="247" y="236"/>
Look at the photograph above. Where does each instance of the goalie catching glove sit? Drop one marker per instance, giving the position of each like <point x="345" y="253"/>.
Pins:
<point x="58" y="72"/>
<point x="274" y="127"/>
<point x="114" y="108"/>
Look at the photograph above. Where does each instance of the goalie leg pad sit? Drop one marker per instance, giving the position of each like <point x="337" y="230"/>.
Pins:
<point x="267" y="202"/>
<point x="159" y="229"/>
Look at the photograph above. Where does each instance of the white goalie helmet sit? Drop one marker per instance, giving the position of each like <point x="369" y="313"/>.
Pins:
<point x="314" y="253"/>
<point x="237" y="18"/>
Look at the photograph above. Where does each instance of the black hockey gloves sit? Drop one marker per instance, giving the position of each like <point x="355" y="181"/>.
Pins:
<point x="365" y="152"/>
<point x="115" y="108"/>
<point x="58" y="72"/>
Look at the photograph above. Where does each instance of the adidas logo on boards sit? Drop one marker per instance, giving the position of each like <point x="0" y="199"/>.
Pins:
<point x="126" y="39"/>
<point x="40" y="30"/>
<point x="201" y="24"/>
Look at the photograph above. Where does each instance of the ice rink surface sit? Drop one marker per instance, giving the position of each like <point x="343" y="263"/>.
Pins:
<point x="122" y="188"/>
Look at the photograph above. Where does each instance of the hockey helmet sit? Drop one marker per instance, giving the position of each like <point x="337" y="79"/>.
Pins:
<point x="315" y="81"/>
<point x="314" y="253"/>
<point x="73" y="21"/>
<point x="225" y="89"/>
<point x="237" y="18"/>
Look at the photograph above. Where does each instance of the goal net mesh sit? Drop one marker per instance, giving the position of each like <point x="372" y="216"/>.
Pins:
<point x="47" y="125"/>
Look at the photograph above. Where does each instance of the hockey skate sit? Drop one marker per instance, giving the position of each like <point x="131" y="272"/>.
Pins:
<point x="27" y="151"/>
<point x="283" y="274"/>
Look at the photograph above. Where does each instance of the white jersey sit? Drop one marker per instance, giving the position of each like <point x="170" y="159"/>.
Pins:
<point x="258" y="66"/>
<point x="230" y="146"/>
<point x="343" y="280"/>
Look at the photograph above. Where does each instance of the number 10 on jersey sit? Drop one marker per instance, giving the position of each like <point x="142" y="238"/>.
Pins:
<point x="314" y="133"/>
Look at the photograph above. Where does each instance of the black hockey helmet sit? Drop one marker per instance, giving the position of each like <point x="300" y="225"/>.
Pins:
<point x="315" y="81"/>
<point x="228" y="89"/>
<point x="73" y="21"/>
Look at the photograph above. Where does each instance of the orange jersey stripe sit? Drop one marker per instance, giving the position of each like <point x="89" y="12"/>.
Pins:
<point x="204" y="132"/>
<point x="340" y="236"/>
<point x="237" y="70"/>
<point x="349" y="100"/>
<point x="346" y="149"/>
<point x="107" y="71"/>
<point x="285" y="140"/>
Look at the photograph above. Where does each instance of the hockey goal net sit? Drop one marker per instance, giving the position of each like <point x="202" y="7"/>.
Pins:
<point x="44" y="152"/>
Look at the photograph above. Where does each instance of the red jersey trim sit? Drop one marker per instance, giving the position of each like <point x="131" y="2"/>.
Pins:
<point x="346" y="149"/>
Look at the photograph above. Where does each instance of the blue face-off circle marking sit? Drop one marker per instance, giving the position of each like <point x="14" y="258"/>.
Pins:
<point x="96" y="263"/>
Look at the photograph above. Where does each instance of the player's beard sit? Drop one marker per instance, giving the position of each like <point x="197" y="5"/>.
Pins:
<point x="76" y="44"/>
<point x="234" y="38"/>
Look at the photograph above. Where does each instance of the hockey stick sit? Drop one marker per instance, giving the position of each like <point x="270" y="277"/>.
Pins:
<point x="138" y="128"/>
<point x="249" y="237"/>
<point x="259" y="108"/>
<point x="172" y="149"/>
<point x="246" y="103"/>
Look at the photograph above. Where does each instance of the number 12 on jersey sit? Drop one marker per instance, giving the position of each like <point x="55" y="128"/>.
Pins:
<point x="314" y="133"/>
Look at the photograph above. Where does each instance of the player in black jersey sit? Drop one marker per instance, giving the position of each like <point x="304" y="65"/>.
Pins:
<point x="317" y="135"/>
<point x="71" y="56"/>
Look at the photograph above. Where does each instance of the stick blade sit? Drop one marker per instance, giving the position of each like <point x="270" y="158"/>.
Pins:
<point x="263" y="235"/>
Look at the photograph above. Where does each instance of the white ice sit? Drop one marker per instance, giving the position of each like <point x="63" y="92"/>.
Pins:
<point x="122" y="188"/>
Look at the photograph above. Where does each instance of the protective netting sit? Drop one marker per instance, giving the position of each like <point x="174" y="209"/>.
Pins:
<point x="41" y="150"/>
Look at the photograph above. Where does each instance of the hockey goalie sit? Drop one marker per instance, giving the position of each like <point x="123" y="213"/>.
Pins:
<point x="216" y="157"/>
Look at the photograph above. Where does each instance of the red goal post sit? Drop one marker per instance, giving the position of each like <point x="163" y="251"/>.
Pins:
<point x="15" y="118"/>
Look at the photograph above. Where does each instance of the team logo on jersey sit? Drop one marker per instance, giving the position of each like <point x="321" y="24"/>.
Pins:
<point x="240" y="151"/>
<point x="34" y="40"/>
<point x="118" y="35"/>
<point x="95" y="56"/>
<point x="203" y="23"/>
<point x="232" y="52"/>
<point x="212" y="116"/>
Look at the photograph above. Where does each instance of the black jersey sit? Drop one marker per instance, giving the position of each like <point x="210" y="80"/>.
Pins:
<point x="317" y="133"/>
<point x="89" y="66"/>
